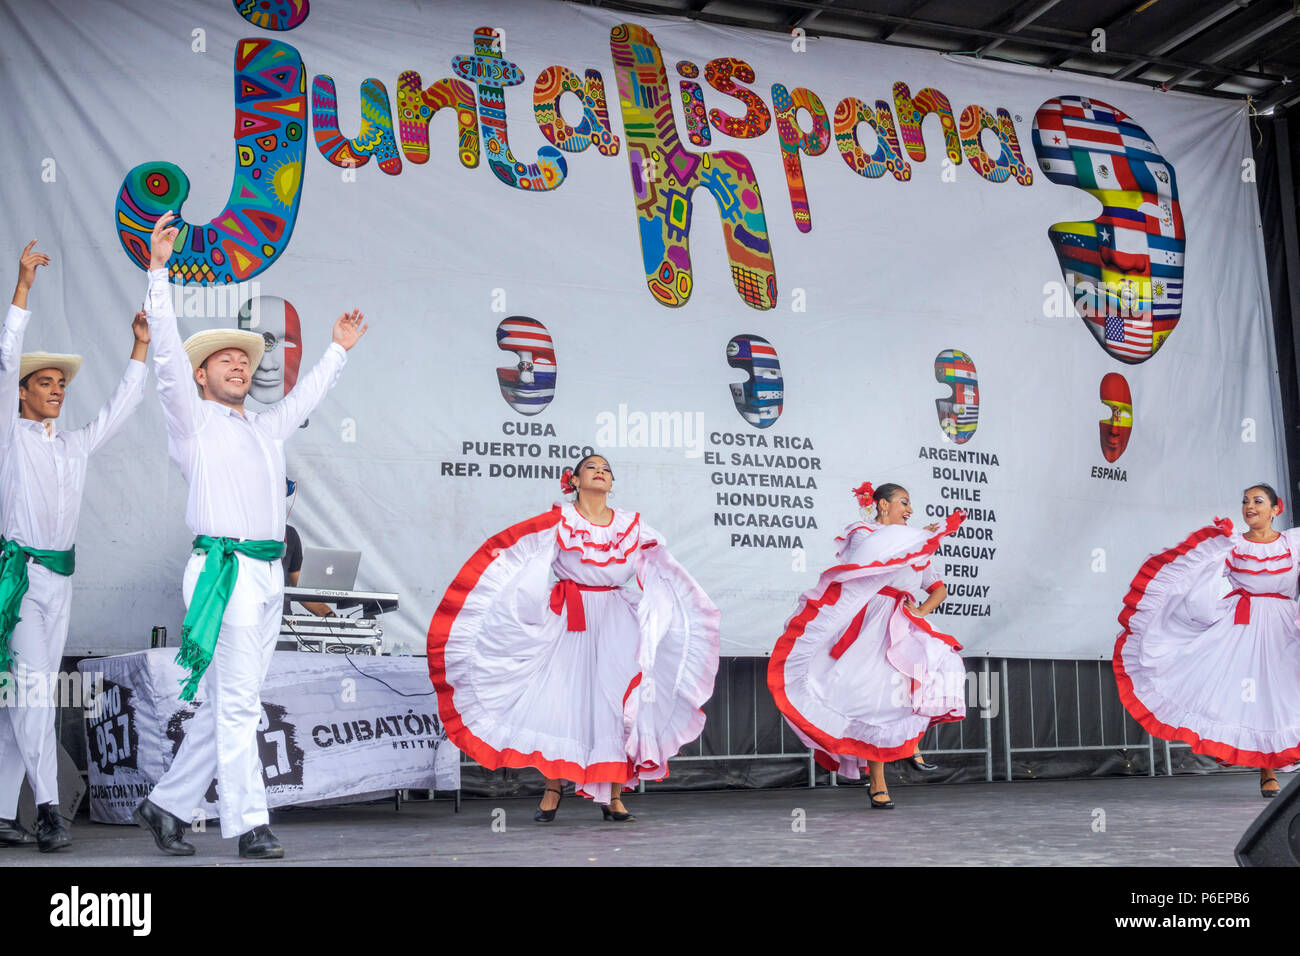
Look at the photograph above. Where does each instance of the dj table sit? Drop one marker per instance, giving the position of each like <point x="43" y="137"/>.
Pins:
<point x="347" y="633"/>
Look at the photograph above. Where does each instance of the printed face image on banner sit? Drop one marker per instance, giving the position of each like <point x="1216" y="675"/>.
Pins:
<point x="1116" y="429"/>
<point x="529" y="385"/>
<point x="1124" y="269"/>
<point x="281" y="330"/>
<point x="760" y="398"/>
<point x="959" y="413"/>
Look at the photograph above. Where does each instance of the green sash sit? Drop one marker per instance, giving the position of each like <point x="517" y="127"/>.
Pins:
<point x="13" y="584"/>
<point x="208" y="604"/>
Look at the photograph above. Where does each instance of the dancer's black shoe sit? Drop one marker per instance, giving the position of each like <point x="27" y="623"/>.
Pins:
<point x="260" y="843"/>
<point x="608" y="814"/>
<point x="546" y="816"/>
<point x="11" y="834"/>
<point x="168" y="831"/>
<point x="51" y="832"/>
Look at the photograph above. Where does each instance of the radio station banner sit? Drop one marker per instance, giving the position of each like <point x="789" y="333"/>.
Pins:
<point x="328" y="730"/>
<point x="753" y="270"/>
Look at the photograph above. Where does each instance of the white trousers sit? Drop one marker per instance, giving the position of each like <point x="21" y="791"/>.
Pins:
<point x="27" y="745"/>
<point x="221" y="738"/>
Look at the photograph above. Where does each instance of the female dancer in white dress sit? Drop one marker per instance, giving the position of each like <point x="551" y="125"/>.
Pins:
<point x="541" y="657"/>
<point x="859" y="673"/>
<point x="1221" y="673"/>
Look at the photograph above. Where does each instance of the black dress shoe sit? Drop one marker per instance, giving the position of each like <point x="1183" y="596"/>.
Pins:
<point x="51" y="832"/>
<point x="607" y="814"/>
<point x="168" y="831"/>
<point x="260" y="843"/>
<point x="11" y="834"/>
<point x="920" y="764"/>
<point x="885" y="804"/>
<point x="546" y="816"/>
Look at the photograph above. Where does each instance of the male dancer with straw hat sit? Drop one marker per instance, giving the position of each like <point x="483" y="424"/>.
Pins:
<point x="42" y="476"/>
<point x="234" y="587"/>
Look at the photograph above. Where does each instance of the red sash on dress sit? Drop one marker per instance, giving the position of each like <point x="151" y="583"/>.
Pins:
<point x="567" y="595"/>
<point x="855" y="626"/>
<point x="1242" y="615"/>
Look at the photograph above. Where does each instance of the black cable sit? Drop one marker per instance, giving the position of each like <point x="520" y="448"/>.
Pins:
<point x="350" y="656"/>
<point x="384" y="682"/>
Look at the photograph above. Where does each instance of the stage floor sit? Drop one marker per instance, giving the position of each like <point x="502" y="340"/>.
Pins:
<point x="1161" y="821"/>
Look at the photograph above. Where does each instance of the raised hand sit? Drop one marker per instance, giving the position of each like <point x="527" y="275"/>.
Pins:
<point x="162" y="242"/>
<point x="140" y="327"/>
<point x="28" y="263"/>
<point x="348" y="329"/>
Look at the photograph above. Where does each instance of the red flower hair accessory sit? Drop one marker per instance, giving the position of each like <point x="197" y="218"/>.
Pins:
<point x="566" y="481"/>
<point x="1280" y="506"/>
<point x="865" y="494"/>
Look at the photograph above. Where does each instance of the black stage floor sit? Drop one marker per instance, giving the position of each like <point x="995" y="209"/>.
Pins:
<point x="1131" y="821"/>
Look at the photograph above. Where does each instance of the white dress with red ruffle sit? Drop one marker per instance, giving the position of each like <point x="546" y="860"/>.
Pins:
<point x="857" y="675"/>
<point x="542" y="656"/>
<point x="1221" y="673"/>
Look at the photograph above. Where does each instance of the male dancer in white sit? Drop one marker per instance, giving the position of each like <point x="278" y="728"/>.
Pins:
<point x="234" y="462"/>
<point x="42" y="476"/>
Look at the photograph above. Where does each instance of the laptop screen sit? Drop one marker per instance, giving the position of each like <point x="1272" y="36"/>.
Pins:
<point x="330" y="569"/>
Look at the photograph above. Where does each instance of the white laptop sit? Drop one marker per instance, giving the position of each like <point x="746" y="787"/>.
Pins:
<point x="329" y="569"/>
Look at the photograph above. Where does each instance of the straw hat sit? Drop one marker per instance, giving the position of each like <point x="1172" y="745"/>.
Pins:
<point x="202" y="344"/>
<point x="69" y="365"/>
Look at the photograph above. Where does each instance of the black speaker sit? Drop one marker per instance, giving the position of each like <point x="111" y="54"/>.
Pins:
<point x="72" y="790"/>
<point x="1274" y="838"/>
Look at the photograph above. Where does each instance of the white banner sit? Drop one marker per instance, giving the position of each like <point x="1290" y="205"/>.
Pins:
<point x="328" y="729"/>
<point x="1031" y="295"/>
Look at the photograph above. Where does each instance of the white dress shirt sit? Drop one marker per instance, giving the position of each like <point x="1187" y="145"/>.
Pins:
<point x="43" y="471"/>
<point x="234" y="463"/>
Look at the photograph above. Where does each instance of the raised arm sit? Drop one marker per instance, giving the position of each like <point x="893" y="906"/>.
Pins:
<point x="181" y="404"/>
<point x="11" y="339"/>
<point x="28" y="263"/>
<point x="285" y="416"/>
<point x="128" y="394"/>
<point x="938" y="594"/>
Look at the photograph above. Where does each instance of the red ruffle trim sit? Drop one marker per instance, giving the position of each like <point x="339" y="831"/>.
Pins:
<point x="867" y="526"/>
<point x="924" y="625"/>
<point x="1233" y="567"/>
<point x="1268" y="557"/>
<point x="1224" y="753"/>
<point x="587" y="545"/>
<point x="615" y="772"/>
<point x="863" y="751"/>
